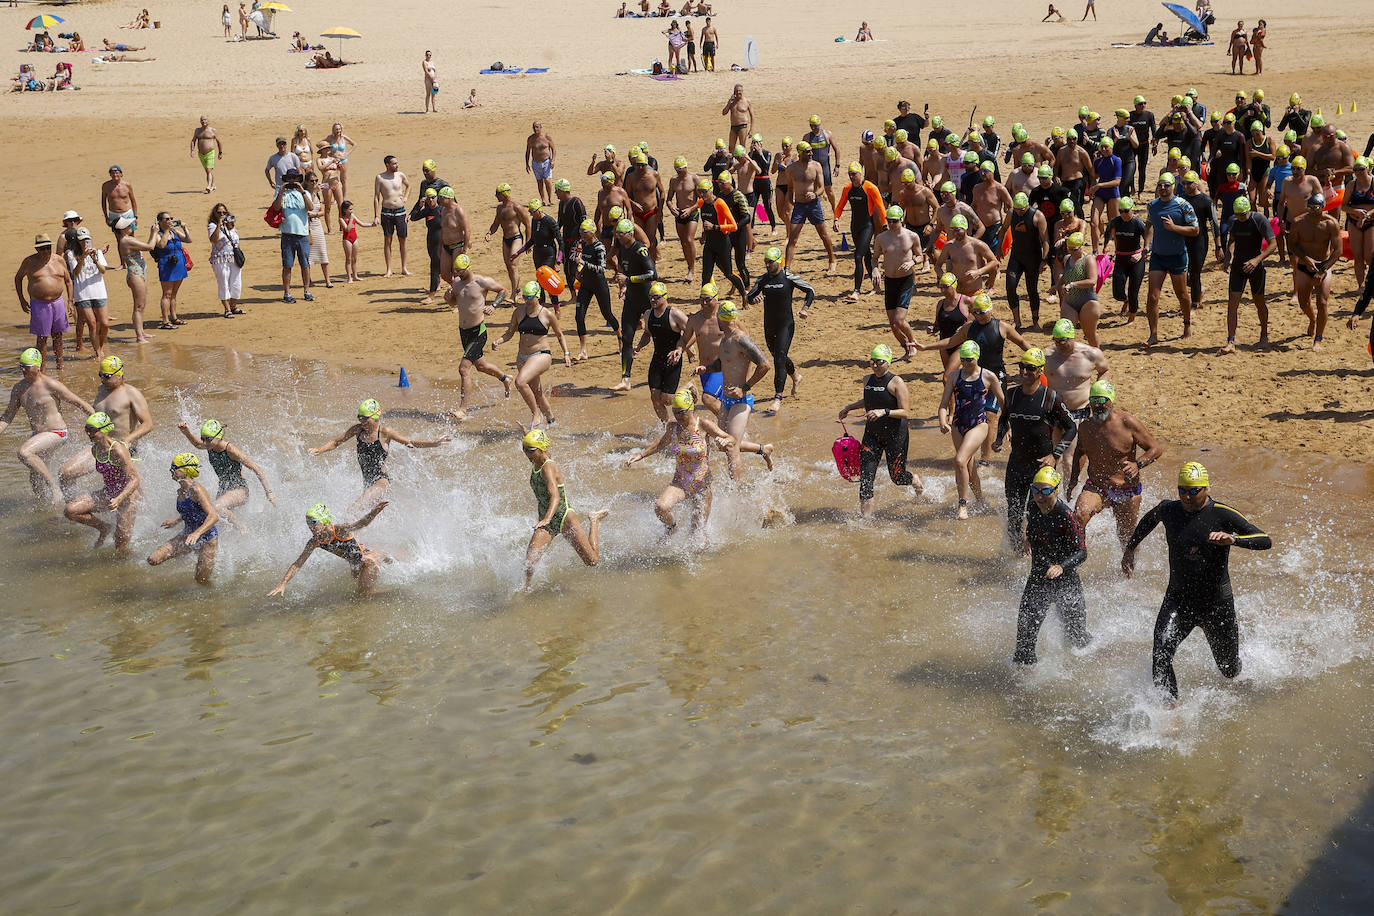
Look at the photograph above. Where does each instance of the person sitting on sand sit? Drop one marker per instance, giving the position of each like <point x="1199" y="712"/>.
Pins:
<point x="141" y="21"/>
<point x="644" y="8"/>
<point x="112" y="46"/>
<point x="1152" y="36"/>
<point x="664" y="9"/>
<point x="298" y="42"/>
<point x="1053" y="12"/>
<point x="687" y="9"/>
<point x="327" y="61"/>
<point x="471" y="100"/>
<point x="76" y="43"/>
<point x="865" y="33"/>
<point x="622" y="12"/>
<point x="61" y="77"/>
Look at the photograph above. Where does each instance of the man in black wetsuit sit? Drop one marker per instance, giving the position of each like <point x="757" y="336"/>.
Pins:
<point x="715" y="237"/>
<point x="427" y="208"/>
<point x="544" y="239"/>
<point x="638" y="268"/>
<point x="588" y="257"/>
<point x="1295" y="117"/>
<point x="664" y="325"/>
<point x="1143" y="121"/>
<point x="1030" y="249"/>
<point x="885" y="409"/>
<point x="1196" y="197"/>
<point x="1228" y="148"/>
<point x="1033" y="412"/>
<point x="571" y="213"/>
<point x="775" y="287"/>
<point x="1057" y="550"/>
<point x="1200" y="533"/>
<point x="742" y="239"/>
<point x="1252" y="240"/>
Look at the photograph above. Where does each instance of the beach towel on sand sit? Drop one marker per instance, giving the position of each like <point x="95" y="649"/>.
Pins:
<point x="506" y="72"/>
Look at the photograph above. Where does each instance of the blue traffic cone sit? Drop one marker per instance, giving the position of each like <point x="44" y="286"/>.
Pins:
<point x="405" y="379"/>
<point x="844" y="242"/>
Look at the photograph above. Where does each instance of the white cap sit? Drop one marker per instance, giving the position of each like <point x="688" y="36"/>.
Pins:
<point x="70" y="214"/>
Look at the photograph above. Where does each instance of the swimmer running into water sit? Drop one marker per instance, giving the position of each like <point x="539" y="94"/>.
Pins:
<point x="338" y="539"/>
<point x="120" y="492"/>
<point x="373" y="438"/>
<point x="686" y="436"/>
<point x="228" y="461"/>
<point x="42" y="397"/>
<point x="196" y="512"/>
<point x="556" y="516"/>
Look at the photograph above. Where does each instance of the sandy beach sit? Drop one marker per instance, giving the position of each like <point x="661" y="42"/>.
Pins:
<point x="1008" y="63"/>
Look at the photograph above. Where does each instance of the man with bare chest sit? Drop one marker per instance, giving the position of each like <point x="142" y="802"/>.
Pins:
<point x="610" y="195"/>
<point x="703" y="328"/>
<point x="1023" y="179"/>
<point x="453" y="231"/>
<point x="968" y="258"/>
<point x="514" y="222"/>
<point x="1073" y="165"/>
<point x="389" y="192"/>
<point x="127" y="409"/>
<point x="992" y="203"/>
<point x="738" y="354"/>
<point x="918" y="205"/>
<point x="468" y="297"/>
<point x="1110" y="443"/>
<point x="898" y="248"/>
<point x="41" y="397"/>
<point x="539" y="156"/>
<point x="740" y="115"/>
<point x="682" y="201"/>
<point x="44" y="277"/>
<point x="1314" y="246"/>
<point x="117" y="200"/>
<point x="805" y="182"/>
<point x="205" y="146"/>
<point x="645" y="190"/>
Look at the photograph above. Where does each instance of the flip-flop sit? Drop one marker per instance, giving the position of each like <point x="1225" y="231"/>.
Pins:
<point x="237" y="311"/>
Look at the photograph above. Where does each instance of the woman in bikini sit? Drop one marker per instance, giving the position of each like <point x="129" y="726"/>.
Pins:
<point x="135" y="271"/>
<point x="342" y="144"/>
<point x="1257" y="45"/>
<point x="688" y="439"/>
<point x="1239" y="47"/>
<point x="302" y="147"/>
<point x="533" y="322"/>
<point x="331" y="186"/>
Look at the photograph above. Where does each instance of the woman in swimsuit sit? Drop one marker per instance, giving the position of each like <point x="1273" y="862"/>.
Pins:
<point x="348" y="225"/>
<point x="331" y="187"/>
<point x="166" y="238"/>
<point x="1358" y="206"/>
<point x="1078" y="288"/>
<point x="556" y="516"/>
<point x="302" y="147"/>
<point x="135" y="271"/>
<point x="338" y="539"/>
<point x="228" y="462"/>
<point x="372" y="441"/>
<point x="120" y="492"/>
<point x="963" y="414"/>
<point x="951" y="314"/>
<point x="342" y="145"/>
<point x="1239" y="47"/>
<point x="534" y="321"/>
<point x="1257" y="45"/>
<point x="687" y="439"/>
<point x="781" y="161"/>
<point x="197" y="515"/>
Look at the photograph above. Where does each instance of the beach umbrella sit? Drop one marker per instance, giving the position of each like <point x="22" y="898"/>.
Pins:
<point x="44" y="21"/>
<point x="275" y="7"/>
<point x="1188" y="16"/>
<point x="340" y="33"/>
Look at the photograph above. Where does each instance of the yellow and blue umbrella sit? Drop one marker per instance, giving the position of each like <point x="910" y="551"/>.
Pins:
<point x="44" y="21"/>
<point x="275" y="7"/>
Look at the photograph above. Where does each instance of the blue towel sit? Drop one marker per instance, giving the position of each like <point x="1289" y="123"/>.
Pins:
<point x="537" y="70"/>
<point x="507" y="71"/>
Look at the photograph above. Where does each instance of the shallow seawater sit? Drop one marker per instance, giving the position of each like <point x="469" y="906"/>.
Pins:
<point x="794" y="712"/>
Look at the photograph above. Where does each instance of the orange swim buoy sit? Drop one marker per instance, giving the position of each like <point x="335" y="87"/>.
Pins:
<point x="1347" y="253"/>
<point x="1335" y="201"/>
<point x="549" y="279"/>
<point x="940" y="242"/>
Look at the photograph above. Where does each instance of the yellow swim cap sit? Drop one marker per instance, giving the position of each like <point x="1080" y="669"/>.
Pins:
<point x="112" y="365"/>
<point x="616" y="213"/>
<point x="891" y="155"/>
<point x="463" y="262"/>
<point x="948" y="279"/>
<point x="212" y="429"/>
<point x="587" y="226"/>
<point x="680" y="162"/>
<point x="658" y="289"/>
<point x="429" y="164"/>
<point x="536" y="203"/>
<point x="1193" y="474"/>
<point x="536" y="438"/>
<point x="982" y="303"/>
<point x="725" y="178"/>
<point x="1034" y="357"/>
<point x="684" y="400"/>
<point x="908" y="175"/>
<point x="855" y="168"/>
<point x="31" y="357"/>
<point x="319" y="514"/>
<point x="708" y="291"/>
<point x="99" y="422"/>
<point x="187" y="462"/>
<point x="1075" y="240"/>
<point x="959" y="222"/>
<point x="1047" y="477"/>
<point x="720" y="143"/>
<point x="815" y="119"/>
<point x="727" y="311"/>
<point x="704" y="184"/>
<point x="369" y="409"/>
<point x="503" y="188"/>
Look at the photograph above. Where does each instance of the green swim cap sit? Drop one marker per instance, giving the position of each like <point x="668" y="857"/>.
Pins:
<point x="1045" y="171"/>
<point x="969" y="350"/>
<point x="319" y="514"/>
<point x="31" y="357"/>
<point x="970" y="156"/>
<point x="1019" y="135"/>
<point x="882" y="352"/>
<point x="624" y="227"/>
<point x="1020" y="201"/>
<point x="1139" y="100"/>
<point x="99" y="421"/>
<point x="757" y="138"/>
<point x="1126" y="204"/>
<point x="989" y="121"/>
<point x="1063" y="330"/>
<point x="740" y="150"/>
<point x="1242" y="205"/>
<point x="959" y="222"/>
<point x="448" y="192"/>
<point x="948" y="188"/>
<point x="1066" y="206"/>
<point x="1027" y="159"/>
<point x="773" y="254"/>
<point x="1102" y="388"/>
<point x="369" y="409"/>
<point x="1233" y="169"/>
<point x="1318" y="121"/>
<point x="1084" y="111"/>
<point x="211" y="429"/>
<point x="987" y="165"/>
<point x="530" y="290"/>
<point x="895" y="213"/>
<point x="937" y="121"/>
<point x="562" y="184"/>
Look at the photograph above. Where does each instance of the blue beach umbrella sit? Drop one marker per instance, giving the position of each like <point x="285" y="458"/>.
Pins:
<point x="1189" y="18"/>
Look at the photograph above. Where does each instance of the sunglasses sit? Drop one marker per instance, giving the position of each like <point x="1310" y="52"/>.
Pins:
<point x="1043" y="491"/>
<point x="1100" y="402"/>
<point x="1031" y="370"/>
<point x="1190" y="491"/>
<point x="107" y="374"/>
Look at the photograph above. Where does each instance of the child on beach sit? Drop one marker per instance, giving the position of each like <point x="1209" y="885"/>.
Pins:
<point x="348" y="225"/>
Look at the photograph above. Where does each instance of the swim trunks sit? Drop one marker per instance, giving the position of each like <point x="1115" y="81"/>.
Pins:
<point x="897" y="292"/>
<point x="456" y="247"/>
<point x="727" y="402"/>
<point x="1115" y="496"/>
<point x="512" y="239"/>
<point x="542" y="170"/>
<point x="739" y="127"/>
<point x="802" y="211"/>
<point x="112" y="217"/>
<point x="48" y="317"/>
<point x="713" y="383"/>
<point x="1173" y="264"/>
<point x="474" y="342"/>
<point x="395" y="221"/>
<point x="207" y="159"/>
<point x="691" y="216"/>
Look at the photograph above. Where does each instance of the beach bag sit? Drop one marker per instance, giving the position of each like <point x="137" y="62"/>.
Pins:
<point x="658" y="68"/>
<point x="239" y="257"/>
<point x="1106" y="263"/>
<point x="273" y="217"/>
<point x="846" y="451"/>
<point x="186" y="256"/>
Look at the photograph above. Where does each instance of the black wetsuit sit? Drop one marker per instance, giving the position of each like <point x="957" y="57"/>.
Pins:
<point x="762" y="190"/>
<point x="1123" y="150"/>
<point x="717" y="162"/>
<point x="967" y="182"/>
<point x="1056" y="539"/>
<point x="1032" y="420"/>
<point x="743" y="212"/>
<point x="432" y="228"/>
<point x="571" y="213"/>
<point x="1024" y="260"/>
<point x="778" y="322"/>
<point x="1249" y="232"/>
<point x="1300" y="121"/>
<point x="1227" y="149"/>
<point x="861" y="228"/>
<point x="1199" y="592"/>
<point x="913" y="124"/>
<point x="882" y="436"/>
<point x="1129" y="236"/>
<point x="1200" y="244"/>
<point x="1048" y="201"/>
<point x="1144" y="124"/>
<point x="992" y="142"/>
<point x="544" y="239"/>
<point x="639" y="271"/>
<point x="229" y="472"/>
<point x="715" y="249"/>
<point x="663" y="377"/>
<point x="593" y="283"/>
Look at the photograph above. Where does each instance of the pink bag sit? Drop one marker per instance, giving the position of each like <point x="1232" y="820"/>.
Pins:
<point x="846" y="451"/>
<point x="1106" y="263"/>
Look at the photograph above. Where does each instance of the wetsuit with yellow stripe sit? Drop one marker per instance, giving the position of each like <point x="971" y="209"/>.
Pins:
<point x="344" y="546"/>
<point x="1199" y="592"/>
